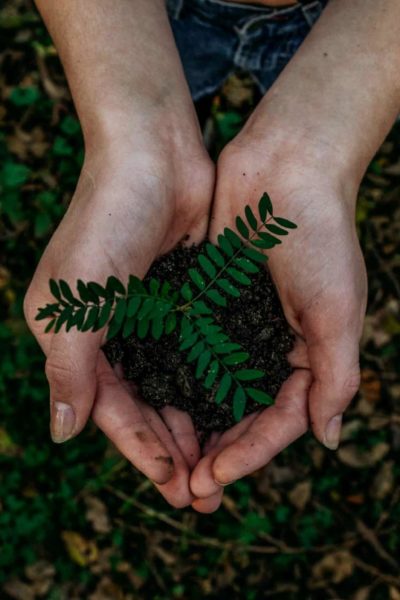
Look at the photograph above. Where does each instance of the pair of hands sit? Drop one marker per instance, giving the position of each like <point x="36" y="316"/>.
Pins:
<point x="133" y="204"/>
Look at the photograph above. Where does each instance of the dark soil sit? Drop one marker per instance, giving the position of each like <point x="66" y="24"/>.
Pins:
<point x="255" y="320"/>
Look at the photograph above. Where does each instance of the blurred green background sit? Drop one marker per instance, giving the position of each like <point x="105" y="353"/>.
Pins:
<point x="76" y="521"/>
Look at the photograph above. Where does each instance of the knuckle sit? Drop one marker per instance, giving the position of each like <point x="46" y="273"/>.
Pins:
<point x="106" y="379"/>
<point x="61" y="375"/>
<point x="352" y="383"/>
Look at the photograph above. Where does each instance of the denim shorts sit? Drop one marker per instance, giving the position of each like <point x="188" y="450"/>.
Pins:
<point x="218" y="37"/>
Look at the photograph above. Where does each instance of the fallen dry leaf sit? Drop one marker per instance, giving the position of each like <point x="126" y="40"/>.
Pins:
<point x="107" y="590"/>
<point x="362" y="594"/>
<point x="7" y="446"/>
<point x="300" y="495"/>
<point x="370" y="387"/>
<point x="97" y="515"/>
<point x="394" y="593"/>
<point x="333" y="567"/>
<point x="18" y="590"/>
<point x="383" y="482"/>
<point x="82" y="551"/>
<point x="352" y="456"/>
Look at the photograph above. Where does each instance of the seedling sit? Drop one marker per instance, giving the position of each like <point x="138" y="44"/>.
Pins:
<point x="157" y="309"/>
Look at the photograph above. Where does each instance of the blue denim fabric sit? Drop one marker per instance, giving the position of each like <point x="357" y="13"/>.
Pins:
<point x="218" y="37"/>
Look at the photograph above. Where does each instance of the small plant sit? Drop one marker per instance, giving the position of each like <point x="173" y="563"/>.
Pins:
<point x="159" y="310"/>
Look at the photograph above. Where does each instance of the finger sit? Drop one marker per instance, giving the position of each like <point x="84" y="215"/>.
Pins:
<point x="211" y="442"/>
<point x="202" y="482"/>
<point x="210" y="504"/>
<point x="274" y="429"/>
<point x="336" y="372"/>
<point x="71" y="373"/>
<point x="122" y="421"/>
<point x="182" y="430"/>
<point x="176" y="491"/>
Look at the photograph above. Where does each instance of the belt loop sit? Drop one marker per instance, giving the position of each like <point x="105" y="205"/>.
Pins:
<point x="311" y="12"/>
<point x="174" y="8"/>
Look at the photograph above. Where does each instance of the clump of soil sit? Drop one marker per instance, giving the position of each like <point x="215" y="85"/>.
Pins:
<point x="159" y="369"/>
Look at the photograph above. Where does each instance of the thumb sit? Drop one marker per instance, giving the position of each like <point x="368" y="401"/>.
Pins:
<point x="71" y="373"/>
<point x="335" y="368"/>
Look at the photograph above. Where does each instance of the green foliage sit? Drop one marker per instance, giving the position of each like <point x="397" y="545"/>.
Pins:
<point x="156" y="309"/>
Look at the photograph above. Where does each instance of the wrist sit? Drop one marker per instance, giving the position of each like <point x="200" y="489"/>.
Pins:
<point x="298" y="157"/>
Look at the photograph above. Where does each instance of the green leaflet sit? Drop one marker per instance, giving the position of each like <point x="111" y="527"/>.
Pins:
<point x="233" y="238"/>
<point x="236" y="358"/>
<point x="216" y="297"/>
<point x="143" y="327"/>
<point x="228" y="287"/>
<point x="114" y="285"/>
<point x="157" y="328"/>
<point x="215" y="255"/>
<point x="255" y="255"/>
<point x="170" y="323"/>
<point x="251" y="219"/>
<point x="249" y="374"/>
<point x="189" y="341"/>
<point x="197" y="279"/>
<point x="67" y="293"/>
<point x="63" y="318"/>
<point x="98" y="290"/>
<point x="285" y="223"/>
<point x="133" y="306"/>
<point x="186" y="292"/>
<point x="211" y="375"/>
<point x="91" y="318"/>
<point x="195" y="352"/>
<point x="55" y="290"/>
<point x="105" y="313"/>
<point x="239" y="403"/>
<point x="259" y="396"/>
<point x="120" y="310"/>
<point x="85" y="294"/>
<point x="246" y="265"/>
<point x="202" y="363"/>
<point x="264" y="207"/>
<point x="242" y="228"/>
<point x="135" y="286"/>
<point x="223" y="388"/>
<point x="275" y="229"/>
<point x="129" y="327"/>
<point x="207" y="266"/>
<point x="225" y="245"/>
<point x="146" y="308"/>
<point x="238" y="276"/>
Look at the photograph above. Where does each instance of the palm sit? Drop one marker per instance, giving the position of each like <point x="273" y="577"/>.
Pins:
<point x="320" y="277"/>
<point x="117" y="227"/>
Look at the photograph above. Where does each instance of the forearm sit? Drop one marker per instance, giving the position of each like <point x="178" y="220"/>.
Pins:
<point x="121" y="63"/>
<point x="340" y="93"/>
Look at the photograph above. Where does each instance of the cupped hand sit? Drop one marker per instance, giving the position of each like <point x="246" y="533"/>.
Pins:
<point x="320" y="277"/>
<point x="130" y="205"/>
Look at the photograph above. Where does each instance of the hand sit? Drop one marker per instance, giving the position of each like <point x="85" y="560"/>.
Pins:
<point x="320" y="277"/>
<point x="131" y="204"/>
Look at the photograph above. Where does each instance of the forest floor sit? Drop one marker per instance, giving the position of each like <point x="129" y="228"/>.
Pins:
<point x="76" y="521"/>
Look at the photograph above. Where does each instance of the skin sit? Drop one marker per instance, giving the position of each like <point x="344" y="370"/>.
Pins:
<point x="307" y="143"/>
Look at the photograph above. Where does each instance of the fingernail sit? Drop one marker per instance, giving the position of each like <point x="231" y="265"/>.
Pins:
<point x="63" y="422"/>
<point x="224" y="484"/>
<point x="332" y="432"/>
